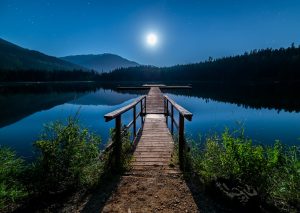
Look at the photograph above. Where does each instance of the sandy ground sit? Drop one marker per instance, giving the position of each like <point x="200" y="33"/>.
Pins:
<point x="159" y="193"/>
<point x="153" y="192"/>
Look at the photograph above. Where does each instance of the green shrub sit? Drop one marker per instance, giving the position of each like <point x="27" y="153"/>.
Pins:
<point x="283" y="176"/>
<point x="11" y="169"/>
<point x="68" y="157"/>
<point x="274" y="171"/>
<point x="126" y="151"/>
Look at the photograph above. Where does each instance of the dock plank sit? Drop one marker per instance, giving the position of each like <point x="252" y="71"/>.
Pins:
<point x="155" y="146"/>
<point x="155" y="102"/>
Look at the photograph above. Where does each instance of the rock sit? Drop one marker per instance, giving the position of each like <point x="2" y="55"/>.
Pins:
<point x="141" y="199"/>
<point x="237" y="192"/>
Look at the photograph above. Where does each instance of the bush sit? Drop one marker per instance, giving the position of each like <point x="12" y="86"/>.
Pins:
<point x="68" y="157"/>
<point x="126" y="151"/>
<point x="11" y="169"/>
<point x="273" y="171"/>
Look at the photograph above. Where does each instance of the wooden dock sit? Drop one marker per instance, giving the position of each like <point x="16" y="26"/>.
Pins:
<point x="152" y="184"/>
<point x="155" y="146"/>
<point x="148" y="86"/>
<point x="154" y="141"/>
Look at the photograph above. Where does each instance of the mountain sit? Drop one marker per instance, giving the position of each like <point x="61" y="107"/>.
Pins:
<point x="13" y="57"/>
<point x="101" y="62"/>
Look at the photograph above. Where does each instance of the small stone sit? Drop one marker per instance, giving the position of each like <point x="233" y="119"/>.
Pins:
<point x="141" y="199"/>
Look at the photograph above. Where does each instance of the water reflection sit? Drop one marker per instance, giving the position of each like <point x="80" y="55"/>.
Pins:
<point x="267" y="113"/>
<point x="24" y="111"/>
<point x="262" y="125"/>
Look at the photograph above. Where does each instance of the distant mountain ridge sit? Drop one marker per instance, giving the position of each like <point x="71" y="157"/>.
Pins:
<point x="100" y="62"/>
<point x="14" y="57"/>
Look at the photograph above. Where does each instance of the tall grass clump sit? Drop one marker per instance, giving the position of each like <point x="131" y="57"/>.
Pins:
<point x="12" y="189"/>
<point x="273" y="171"/>
<point x="125" y="149"/>
<point x="68" y="157"/>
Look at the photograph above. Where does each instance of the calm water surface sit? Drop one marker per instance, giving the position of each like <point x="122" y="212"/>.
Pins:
<point x="24" y="114"/>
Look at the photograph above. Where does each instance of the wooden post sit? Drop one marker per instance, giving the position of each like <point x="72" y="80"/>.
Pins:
<point x="167" y="113"/>
<point x="172" y="119"/>
<point x="181" y="141"/>
<point x="142" y="113"/>
<point x="117" y="144"/>
<point x="134" y="121"/>
<point x="145" y="106"/>
<point x="165" y="105"/>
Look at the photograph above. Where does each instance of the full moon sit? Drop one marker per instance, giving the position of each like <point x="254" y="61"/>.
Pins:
<point x="152" y="39"/>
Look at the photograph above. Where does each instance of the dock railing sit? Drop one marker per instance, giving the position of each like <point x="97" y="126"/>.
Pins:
<point x="169" y="106"/>
<point x="117" y="115"/>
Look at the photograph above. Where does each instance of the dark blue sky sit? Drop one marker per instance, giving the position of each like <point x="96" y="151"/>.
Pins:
<point x="188" y="31"/>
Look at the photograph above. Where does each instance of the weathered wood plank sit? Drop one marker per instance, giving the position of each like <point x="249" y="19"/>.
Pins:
<point x="156" y="144"/>
<point x="161" y="86"/>
<point x="155" y="101"/>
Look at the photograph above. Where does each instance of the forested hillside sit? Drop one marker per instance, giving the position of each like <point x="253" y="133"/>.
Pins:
<point x="258" y="65"/>
<point x="268" y="65"/>
<point x="13" y="57"/>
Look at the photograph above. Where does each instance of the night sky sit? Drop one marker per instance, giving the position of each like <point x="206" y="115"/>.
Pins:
<point x="187" y="31"/>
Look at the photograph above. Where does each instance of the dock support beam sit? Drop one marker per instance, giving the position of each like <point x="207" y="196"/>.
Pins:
<point x="172" y="119"/>
<point x="181" y="141"/>
<point x="134" y="121"/>
<point x="117" y="144"/>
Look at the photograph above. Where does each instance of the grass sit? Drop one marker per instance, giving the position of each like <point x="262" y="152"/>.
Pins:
<point x="11" y="188"/>
<point x="68" y="157"/>
<point x="273" y="171"/>
<point x="126" y="150"/>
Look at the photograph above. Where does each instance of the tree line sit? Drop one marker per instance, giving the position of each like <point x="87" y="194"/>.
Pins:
<point x="45" y="75"/>
<point x="258" y="65"/>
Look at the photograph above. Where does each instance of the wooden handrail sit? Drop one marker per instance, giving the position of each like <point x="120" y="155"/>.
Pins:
<point x="185" y="113"/>
<point x="168" y="103"/>
<point x="116" y="113"/>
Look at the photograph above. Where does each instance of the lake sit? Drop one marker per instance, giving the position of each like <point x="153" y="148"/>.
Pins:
<point x="265" y="114"/>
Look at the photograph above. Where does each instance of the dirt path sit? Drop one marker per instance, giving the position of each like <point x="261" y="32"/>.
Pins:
<point x="155" y="193"/>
